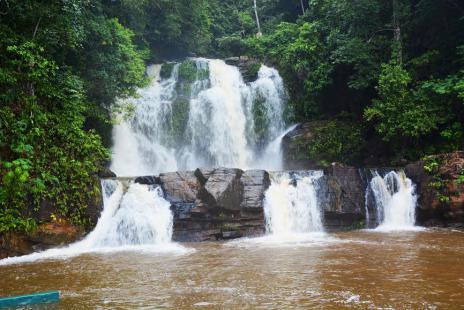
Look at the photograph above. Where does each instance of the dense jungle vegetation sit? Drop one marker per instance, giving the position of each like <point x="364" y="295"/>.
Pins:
<point x="387" y="76"/>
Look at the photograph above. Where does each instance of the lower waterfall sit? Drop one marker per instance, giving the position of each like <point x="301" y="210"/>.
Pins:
<point x="134" y="217"/>
<point x="395" y="201"/>
<point x="291" y="206"/>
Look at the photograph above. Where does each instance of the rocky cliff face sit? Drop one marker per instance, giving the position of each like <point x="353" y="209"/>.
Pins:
<point x="440" y="189"/>
<point x="341" y="195"/>
<point x="212" y="204"/>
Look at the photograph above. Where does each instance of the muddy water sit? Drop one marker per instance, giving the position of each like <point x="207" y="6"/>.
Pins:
<point x="363" y="270"/>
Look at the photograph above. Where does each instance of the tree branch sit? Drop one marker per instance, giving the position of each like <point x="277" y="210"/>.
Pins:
<point x="36" y="28"/>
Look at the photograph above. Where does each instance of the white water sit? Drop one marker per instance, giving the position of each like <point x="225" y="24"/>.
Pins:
<point x="220" y="129"/>
<point x="291" y="208"/>
<point x="136" y="218"/>
<point x="395" y="201"/>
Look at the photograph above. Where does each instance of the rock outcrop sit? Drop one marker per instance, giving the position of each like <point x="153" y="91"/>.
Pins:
<point x="212" y="204"/>
<point x="295" y="146"/>
<point x="441" y="193"/>
<point x="248" y="67"/>
<point x="48" y="235"/>
<point x="341" y="195"/>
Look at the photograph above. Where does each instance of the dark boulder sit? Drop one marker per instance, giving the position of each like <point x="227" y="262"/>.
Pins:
<point x="341" y="194"/>
<point x="147" y="180"/>
<point x="223" y="189"/>
<point x="180" y="186"/>
<point x="255" y="183"/>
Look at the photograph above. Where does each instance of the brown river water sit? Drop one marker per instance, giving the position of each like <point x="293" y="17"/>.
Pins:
<point x="360" y="270"/>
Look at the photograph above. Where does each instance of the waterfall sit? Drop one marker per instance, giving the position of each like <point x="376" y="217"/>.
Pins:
<point x="290" y="204"/>
<point x="394" y="201"/>
<point x="134" y="217"/>
<point x="213" y="119"/>
<point x="139" y="216"/>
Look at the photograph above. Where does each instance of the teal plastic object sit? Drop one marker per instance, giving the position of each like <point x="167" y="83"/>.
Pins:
<point x="29" y="299"/>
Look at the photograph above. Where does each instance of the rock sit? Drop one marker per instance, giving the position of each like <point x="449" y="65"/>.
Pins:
<point x="180" y="186"/>
<point x="46" y="236"/>
<point x="228" y="204"/>
<point x="203" y="174"/>
<point x="255" y="183"/>
<point x="147" y="180"/>
<point x="345" y="189"/>
<point x="295" y="147"/>
<point x="106" y="173"/>
<point x="432" y="211"/>
<point x="248" y="67"/>
<point x="46" y="210"/>
<point x="341" y="194"/>
<point x="223" y="189"/>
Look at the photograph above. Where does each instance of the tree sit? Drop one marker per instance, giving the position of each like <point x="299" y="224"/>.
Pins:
<point x="257" y="19"/>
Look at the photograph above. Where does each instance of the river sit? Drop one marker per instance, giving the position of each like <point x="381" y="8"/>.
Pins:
<point x="360" y="269"/>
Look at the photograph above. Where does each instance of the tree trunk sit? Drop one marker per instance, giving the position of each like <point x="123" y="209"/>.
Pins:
<point x="257" y="18"/>
<point x="302" y="7"/>
<point x="397" y="33"/>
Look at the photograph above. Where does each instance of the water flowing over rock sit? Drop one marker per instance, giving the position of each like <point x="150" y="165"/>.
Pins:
<point x="134" y="217"/>
<point x="202" y="115"/>
<point x="291" y="204"/>
<point x="394" y="201"/>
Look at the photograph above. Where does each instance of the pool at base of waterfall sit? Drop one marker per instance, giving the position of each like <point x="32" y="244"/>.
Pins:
<point x="362" y="269"/>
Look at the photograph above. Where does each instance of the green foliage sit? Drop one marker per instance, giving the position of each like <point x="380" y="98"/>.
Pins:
<point x="400" y="111"/>
<point x="45" y="153"/>
<point x="118" y="66"/>
<point x="166" y="70"/>
<point x="46" y="157"/>
<point x="432" y="167"/>
<point x="361" y="224"/>
<point x="169" y="28"/>
<point x="460" y="179"/>
<point x="251" y="72"/>
<point x="260" y="120"/>
<point x="187" y="71"/>
<point x="337" y="141"/>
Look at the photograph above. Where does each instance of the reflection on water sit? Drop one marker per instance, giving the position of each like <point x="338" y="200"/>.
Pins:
<point x="364" y="270"/>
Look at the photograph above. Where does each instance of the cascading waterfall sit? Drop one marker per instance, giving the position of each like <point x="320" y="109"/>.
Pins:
<point x="395" y="201"/>
<point x="134" y="217"/>
<point x="139" y="216"/>
<point x="291" y="206"/>
<point x="209" y="121"/>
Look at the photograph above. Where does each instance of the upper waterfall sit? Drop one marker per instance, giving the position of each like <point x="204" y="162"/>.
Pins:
<point x="202" y="114"/>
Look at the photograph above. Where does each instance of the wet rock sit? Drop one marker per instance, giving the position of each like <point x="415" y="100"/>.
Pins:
<point x="228" y="204"/>
<point x="247" y="66"/>
<point x="255" y="183"/>
<point x="223" y="189"/>
<point x="180" y="186"/>
<point x="203" y="174"/>
<point x="295" y="147"/>
<point x="147" y="180"/>
<point x="48" y="235"/>
<point x="106" y="173"/>
<point x="342" y="189"/>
